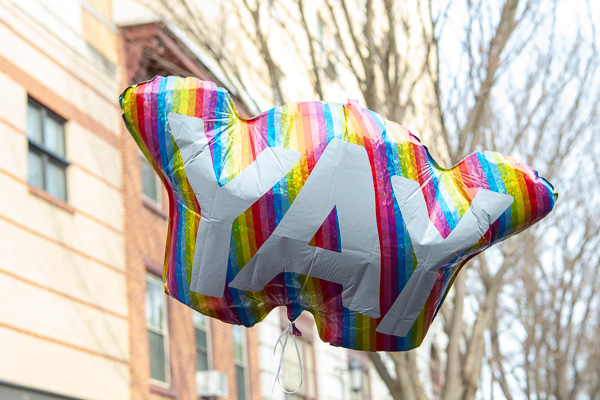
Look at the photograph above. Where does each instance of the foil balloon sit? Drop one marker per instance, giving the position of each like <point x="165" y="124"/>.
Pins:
<point x="319" y="207"/>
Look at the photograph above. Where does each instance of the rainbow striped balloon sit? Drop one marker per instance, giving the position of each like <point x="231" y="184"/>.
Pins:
<point x="180" y="124"/>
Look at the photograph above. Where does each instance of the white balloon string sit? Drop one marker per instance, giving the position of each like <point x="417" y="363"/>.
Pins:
<point x="283" y="338"/>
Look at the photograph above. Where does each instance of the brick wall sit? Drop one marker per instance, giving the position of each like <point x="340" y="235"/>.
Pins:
<point x="145" y="237"/>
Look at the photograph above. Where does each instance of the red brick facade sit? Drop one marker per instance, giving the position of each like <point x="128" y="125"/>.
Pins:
<point x="150" y="49"/>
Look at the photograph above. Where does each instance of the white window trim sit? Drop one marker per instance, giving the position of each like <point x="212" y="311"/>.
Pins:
<point x="209" y="349"/>
<point x="159" y="193"/>
<point x="244" y="362"/>
<point x="167" y="383"/>
<point x="305" y="323"/>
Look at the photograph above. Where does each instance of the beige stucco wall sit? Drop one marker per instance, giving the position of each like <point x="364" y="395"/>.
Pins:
<point x="65" y="68"/>
<point x="64" y="320"/>
<point x="99" y="35"/>
<point x="52" y="366"/>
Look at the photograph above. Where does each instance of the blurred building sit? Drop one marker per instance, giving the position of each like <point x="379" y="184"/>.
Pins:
<point x="176" y="353"/>
<point x="64" y="320"/>
<point x="156" y="48"/>
<point x="161" y="48"/>
<point x="83" y="222"/>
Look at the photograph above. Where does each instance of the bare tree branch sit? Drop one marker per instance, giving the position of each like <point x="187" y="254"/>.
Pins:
<point x="274" y="71"/>
<point x="315" y="67"/>
<point x="475" y="73"/>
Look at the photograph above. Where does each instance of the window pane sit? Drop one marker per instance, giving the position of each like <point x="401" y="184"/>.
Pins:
<point x="46" y="131"/>
<point x="157" y="356"/>
<point x="157" y="327"/>
<point x="238" y="343"/>
<point x="201" y="350"/>
<point x="35" y="172"/>
<point x="292" y="374"/>
<point x="155" y="305"/>
<point x="149" y="181"/>
<point x="34" y="126"/>
<point x="240" y="380"/>
<point x="201" y="330"/>
<point x="201" y="360"/>
<point x="291" y="370"/>
<point x="200" y="338"/>
<point x="54" y="136"/>
<point x="200" y="320"/>
<point x="56" y="180"/>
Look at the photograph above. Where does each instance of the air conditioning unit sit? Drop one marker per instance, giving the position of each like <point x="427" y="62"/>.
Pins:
<point x="211" y="383"/>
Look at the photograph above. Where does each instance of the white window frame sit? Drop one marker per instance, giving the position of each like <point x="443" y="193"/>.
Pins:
<point x="306" y="349"/>
<point x="244" y="362"/>
<point x="209" y="352"/>
<point x="305" y="323"/>
<point x="158" y="202"/>
<point x="167" y="347"/>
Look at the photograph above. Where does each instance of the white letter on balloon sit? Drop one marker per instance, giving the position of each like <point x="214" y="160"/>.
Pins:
<point x="433" y="251"/>
<point x="220" y="206"/>
<point x="342" y="177"/>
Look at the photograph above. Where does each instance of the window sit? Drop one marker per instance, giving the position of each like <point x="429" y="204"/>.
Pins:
<point x="151" y="185"/>
<point x="15" y="391"/>
<point x="156" y="321"/>
<point x="292" y="373"/>
<point x="46" y="160"/>
<point x="239" y="352"/>
<point x="202" y="332"/>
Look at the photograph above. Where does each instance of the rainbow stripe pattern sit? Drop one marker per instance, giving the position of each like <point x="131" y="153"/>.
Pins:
<point x="307" y="128"/>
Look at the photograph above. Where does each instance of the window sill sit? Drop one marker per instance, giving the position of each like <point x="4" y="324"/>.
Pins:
<point x="153" y="267"/>
<point x="49" y="198"/>
<point x="154" y="208"/>
<point x="163" y="391"/>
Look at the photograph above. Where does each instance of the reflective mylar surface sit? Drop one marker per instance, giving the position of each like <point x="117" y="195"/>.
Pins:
<point x="321" y="207"/>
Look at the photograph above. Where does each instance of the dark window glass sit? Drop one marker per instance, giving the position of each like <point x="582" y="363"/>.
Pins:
<point x="240" y="379"/>
<point x="157" y="356"/>
<point x="46" y="160"/>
